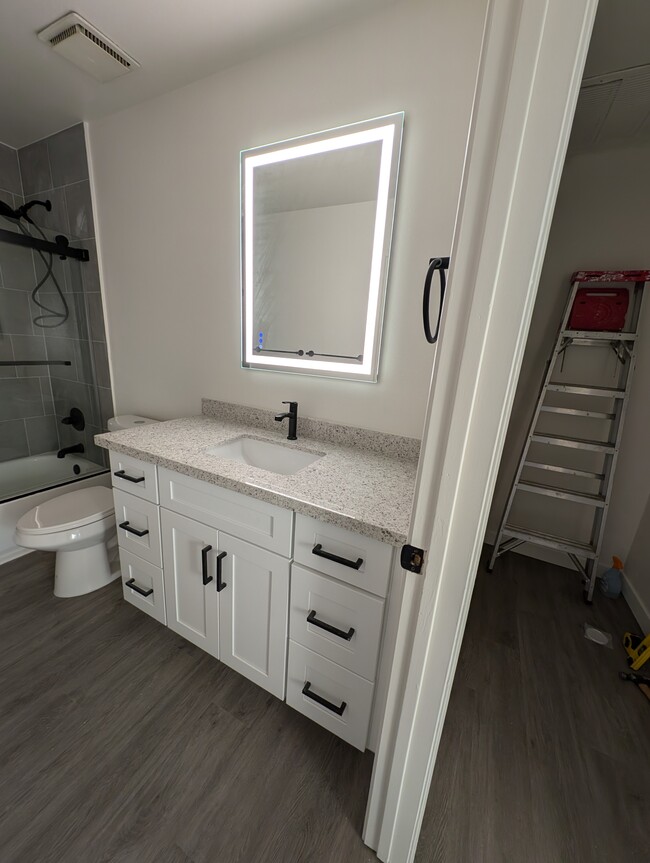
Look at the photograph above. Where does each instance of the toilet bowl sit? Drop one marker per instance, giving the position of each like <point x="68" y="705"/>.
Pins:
<point x="78" y="526"/>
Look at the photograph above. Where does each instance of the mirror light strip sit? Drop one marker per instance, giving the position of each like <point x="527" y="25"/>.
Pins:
<point x="386" y="135"/>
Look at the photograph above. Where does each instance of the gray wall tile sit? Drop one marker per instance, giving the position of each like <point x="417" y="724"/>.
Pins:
<point x="76" y="323"/>
<point x="35" y="167"/>
<point x="62" y="349"/>
<point x="6" y="355"/>
<point x="46" y="393"/>
<point x="105" y="405"/>
<point x="67" y="151"/>
<point x="13" y="440"/>
<point x="42" y="435"/>
<point x="56" y="219"/>
<point x="80" y="210"/>
<point x="9" y="173"/>
<point x="29" y="348"/>
<point x="20" y="398"/>
<point x="102" y="370"/>
<point x="69" y="394"/>
<point x="17" y="267"/>
<point x="15" y="313"/>
<point x="96" y="317"/>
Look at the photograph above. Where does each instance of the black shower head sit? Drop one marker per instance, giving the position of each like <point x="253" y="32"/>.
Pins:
<point x="21" y="212"/>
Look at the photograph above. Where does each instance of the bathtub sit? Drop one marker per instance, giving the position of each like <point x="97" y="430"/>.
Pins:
<point x="26" y="482"/>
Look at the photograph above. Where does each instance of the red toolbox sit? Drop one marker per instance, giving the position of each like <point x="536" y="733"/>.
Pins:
<point x="599" y="309"/>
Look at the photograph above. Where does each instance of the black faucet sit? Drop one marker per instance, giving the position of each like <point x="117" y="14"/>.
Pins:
<point x="292" y="415"/>
<point x="78" y="447"/>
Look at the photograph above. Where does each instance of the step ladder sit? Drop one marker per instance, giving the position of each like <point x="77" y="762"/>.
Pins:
<point x="580" y="403"/>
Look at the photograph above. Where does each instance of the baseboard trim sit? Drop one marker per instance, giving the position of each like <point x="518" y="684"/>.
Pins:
<point x="637" y="606"/>
<point x="14" y="553"/>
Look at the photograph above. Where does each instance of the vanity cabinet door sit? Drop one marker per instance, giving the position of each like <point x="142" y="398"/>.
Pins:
<point x="191" y="598"/>
<point x="253" y="613"/>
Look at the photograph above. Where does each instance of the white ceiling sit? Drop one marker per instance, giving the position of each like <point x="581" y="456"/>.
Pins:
<point x="613" y="108"/>
<point x="175" y="41"/>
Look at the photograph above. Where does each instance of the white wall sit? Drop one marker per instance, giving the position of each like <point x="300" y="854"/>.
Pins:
<point x="601" y="221"/>
<point x="166" y="174"/>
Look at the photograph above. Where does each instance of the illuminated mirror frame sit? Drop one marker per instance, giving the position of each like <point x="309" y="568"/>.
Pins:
<point x="387" y="130"/>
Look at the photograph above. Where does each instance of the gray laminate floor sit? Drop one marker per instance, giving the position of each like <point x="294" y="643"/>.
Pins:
<point x="119" y="741"/>
<point x="545" y="755"/>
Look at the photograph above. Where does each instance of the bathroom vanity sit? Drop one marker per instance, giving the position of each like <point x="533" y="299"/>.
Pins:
<point x="292" y="580"/>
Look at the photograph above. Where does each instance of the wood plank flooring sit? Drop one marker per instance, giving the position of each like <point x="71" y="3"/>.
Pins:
<point x="120" y="741"/>
<point x="545" y="754"/>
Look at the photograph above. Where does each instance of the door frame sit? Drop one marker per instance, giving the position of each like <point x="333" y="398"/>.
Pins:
<point x="531" y="65"/>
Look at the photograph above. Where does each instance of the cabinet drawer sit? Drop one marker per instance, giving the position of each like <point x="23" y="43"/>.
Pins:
<point x="134" y="476"/>
<point x="146" y="578"/>
<point x="245" y="517"/>
<point x="138" y="526"/>
<point x="337" y="686"/>
<point x="363" y="562"/>
<point x="356" y="615"/>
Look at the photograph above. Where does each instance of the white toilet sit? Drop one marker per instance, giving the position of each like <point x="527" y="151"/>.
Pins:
<point x="79" y="526"/>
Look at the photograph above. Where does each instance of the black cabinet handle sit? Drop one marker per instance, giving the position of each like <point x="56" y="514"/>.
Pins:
<point x="204" y="564"/>
<point x="123" y="475"/>
<point x="353" y="564"/>
<point x="131" y="583"/>
<point x="220" y="583"/>
<point x="127" y="527"/>
<point x="338" y="709"/>
<point x="440" y="264"/>
<point x="311" y="618"/>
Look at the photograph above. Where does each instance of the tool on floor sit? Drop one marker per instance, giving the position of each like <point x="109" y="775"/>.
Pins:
<point x="637" y="648"/>
<point x="580" y="469"/>
<point x="642" y="682"/>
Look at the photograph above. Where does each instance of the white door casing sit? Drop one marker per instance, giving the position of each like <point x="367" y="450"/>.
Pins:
<point x="531" y="64"/>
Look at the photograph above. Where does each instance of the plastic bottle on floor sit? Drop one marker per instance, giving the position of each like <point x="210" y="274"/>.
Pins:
<point x="611" y="582"/>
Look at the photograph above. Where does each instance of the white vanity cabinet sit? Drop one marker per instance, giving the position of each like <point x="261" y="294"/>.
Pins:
<point x="228" y="597"/>
<point x="296" y="605"/>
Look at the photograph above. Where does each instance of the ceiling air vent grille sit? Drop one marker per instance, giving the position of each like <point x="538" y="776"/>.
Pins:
<point x="85" y="46"/>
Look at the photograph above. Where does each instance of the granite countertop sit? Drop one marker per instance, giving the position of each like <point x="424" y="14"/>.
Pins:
<point x="364" y="482"/>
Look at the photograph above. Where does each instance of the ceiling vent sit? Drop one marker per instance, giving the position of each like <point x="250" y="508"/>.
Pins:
<point x="85" y="46"/>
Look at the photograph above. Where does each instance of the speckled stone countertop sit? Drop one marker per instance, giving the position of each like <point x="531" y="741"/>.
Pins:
<point x="364" y="482"/>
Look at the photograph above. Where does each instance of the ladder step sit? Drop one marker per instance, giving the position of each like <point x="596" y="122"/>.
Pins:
<point x="574" y="412"/>
<point x="562" y="493"/>
<point x="549" y="540"/>
<point x="573" y="442"/>
<point x="598" y="336"/>
<point x="571" y="471"/>
<point x="580" y="390"/>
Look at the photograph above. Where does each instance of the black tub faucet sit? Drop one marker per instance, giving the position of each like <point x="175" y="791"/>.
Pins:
<point x="292" y="415"/>
<point x="78" y="447"/>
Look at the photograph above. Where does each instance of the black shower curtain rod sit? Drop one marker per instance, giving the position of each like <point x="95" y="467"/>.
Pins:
<point x="60" y="247"/>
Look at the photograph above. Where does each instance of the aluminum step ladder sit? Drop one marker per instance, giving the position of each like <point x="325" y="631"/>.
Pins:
<point x="579" y="403"/>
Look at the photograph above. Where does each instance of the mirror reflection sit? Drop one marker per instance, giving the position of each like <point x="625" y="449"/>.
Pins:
<point x="317" y="221"/>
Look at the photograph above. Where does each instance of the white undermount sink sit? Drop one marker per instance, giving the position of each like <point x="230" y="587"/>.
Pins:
<point x="265" y="454"/>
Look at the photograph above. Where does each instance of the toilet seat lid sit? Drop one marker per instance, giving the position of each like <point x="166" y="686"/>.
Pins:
<point x="70" y="510"/>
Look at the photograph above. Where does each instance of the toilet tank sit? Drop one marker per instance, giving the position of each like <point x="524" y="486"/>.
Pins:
<point x="128" y="421"/>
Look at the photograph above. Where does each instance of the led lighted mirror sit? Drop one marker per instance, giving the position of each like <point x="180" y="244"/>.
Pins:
<point x="317" y="219"/>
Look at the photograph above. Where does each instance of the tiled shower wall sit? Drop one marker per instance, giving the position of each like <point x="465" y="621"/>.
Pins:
<point x="31" y="409"/>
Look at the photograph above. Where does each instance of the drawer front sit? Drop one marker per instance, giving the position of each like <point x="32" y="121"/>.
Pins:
<point x="134" y="476"/>
<point x="138" y="526"/>
<point x="337" y="686"/>
<point x="363" y="562"/>
<point x="146" y="579"/>
<point x="356" y="616"/>
<point x="245" y="517"/>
